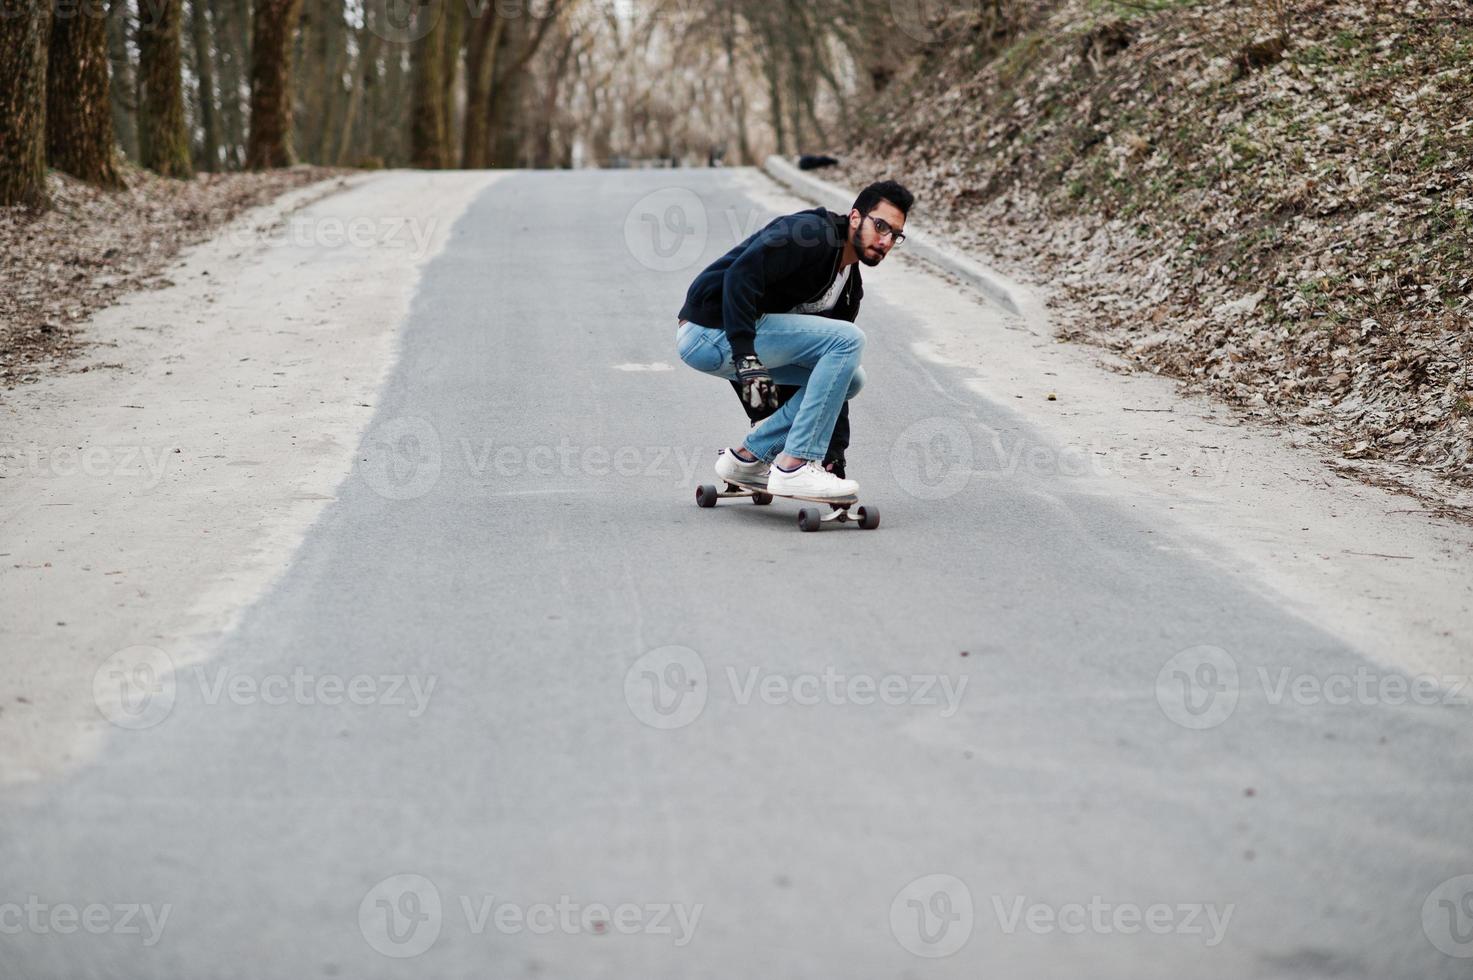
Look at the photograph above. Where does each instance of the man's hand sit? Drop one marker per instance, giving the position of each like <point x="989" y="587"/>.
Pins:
<point x="756" y="384"/>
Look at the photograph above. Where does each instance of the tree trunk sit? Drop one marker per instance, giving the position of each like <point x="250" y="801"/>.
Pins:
<point x="426" y="109"/>
<point x="366" y="71"/>
<point x="542" y="156"/>
<point x="204" y="66"/>
<point x="505" y="131"/>
<point x="736" y="102"/>
<point x="79" y="121"/>
<point x="24" y="35"/>
<point x="317" y="83"/>
<point x="304" y="86"/>
<point x="124" y="87"/>
<point x="335" y="45"/>
<point x="450" y="60"/>
<point x="775" y="107"/>
<point x="162" y="134"/>
<point x="389" y="136"/>
<point x="231" y="58"/>
<point x="270" y="142"/>
<point x="795" y="106"/>
<point x="519" y="45"/>
<point x="480" y="69"/>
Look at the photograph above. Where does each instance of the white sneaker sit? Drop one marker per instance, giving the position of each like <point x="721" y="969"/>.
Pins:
<point x="733" y="469"/>
<point x="811" y="480"/>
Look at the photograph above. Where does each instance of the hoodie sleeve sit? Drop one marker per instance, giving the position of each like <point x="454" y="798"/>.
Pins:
<point x="774" y="254"/>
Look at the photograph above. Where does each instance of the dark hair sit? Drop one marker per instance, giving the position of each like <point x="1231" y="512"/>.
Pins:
<point x="884" y="190"/>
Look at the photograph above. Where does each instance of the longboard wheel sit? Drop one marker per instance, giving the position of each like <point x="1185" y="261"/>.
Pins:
<point x="761" y="499"/>
<point x="706" y="495"/>
<point x="869" y="518"/>
<point x="809" y="519"/>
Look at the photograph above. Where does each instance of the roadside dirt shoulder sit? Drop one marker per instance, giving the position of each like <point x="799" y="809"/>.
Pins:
<point x="146" y="505"/>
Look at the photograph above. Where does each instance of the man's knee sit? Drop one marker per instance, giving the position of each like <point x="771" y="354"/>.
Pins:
<point x="849" y="337"/>
<point x="856" y="383"/>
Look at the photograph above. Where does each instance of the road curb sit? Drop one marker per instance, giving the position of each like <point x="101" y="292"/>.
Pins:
<point x="992" y="284"/>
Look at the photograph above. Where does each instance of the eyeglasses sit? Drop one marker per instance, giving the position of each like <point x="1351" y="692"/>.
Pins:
<point x="885" y="230"/>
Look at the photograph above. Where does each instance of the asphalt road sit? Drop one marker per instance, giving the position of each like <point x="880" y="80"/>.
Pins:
<point x="520" y="709"/>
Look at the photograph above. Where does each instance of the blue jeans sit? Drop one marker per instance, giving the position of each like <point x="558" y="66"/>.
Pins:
<point x="818" y="355"/>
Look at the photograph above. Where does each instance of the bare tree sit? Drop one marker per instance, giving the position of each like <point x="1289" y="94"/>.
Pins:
<point x="365" y="74"/>
<point x="518" y="43"/>
<point x="271" y="109"/>
<point x="451" y="50"/>
<point x="123" y="92"/>
<point x="427" y="137"/>
<point x="24" y="37"/>
<point x="162" y="134"/>
<point x="79" y="120"/>
<point x="204" y="69"/>
<point x="482" y="45"/>
<point x="231" y="22"/>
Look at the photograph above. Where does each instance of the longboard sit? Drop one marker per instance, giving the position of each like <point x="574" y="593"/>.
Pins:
<point x="809" y="518"/>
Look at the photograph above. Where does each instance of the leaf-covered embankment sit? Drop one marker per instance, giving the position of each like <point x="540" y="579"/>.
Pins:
<point x="1269" y="201"/>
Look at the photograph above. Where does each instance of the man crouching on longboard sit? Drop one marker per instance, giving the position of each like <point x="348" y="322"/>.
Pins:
<point x="779" y="309"/>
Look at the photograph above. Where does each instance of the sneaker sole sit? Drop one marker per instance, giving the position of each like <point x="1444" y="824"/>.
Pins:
<point x="740" y="478"/>
<point x="847" y="499"/>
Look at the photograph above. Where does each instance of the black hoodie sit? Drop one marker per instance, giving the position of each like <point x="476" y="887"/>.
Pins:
<point x="793" y="260"/>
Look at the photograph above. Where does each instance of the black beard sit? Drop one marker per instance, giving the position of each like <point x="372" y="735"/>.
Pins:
<point x="863" y="252"/>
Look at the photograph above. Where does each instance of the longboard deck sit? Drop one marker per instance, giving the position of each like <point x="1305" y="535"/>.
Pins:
<point x="842" y="510"/>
